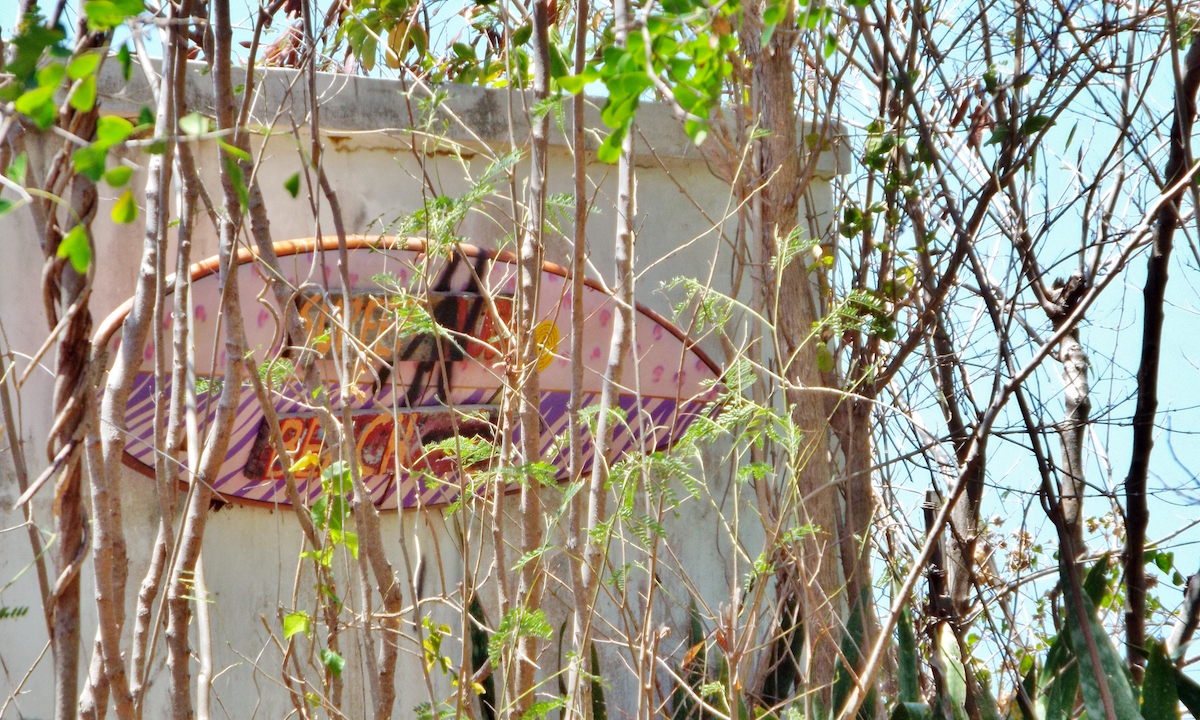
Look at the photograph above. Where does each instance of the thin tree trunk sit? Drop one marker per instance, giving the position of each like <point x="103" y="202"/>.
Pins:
<point x="619" y="344"/>
<point x="1137" y="514"/>
<point x="366" y="516"/>
<point x="578" y="693"/>
<point x="790" y="307"/>
<point x="165" y="540"/>
<point x="530" y="582"/>
<point x="1076" y="395"/>
<point x="213" y="455"/>
<point x="71" y="390"/>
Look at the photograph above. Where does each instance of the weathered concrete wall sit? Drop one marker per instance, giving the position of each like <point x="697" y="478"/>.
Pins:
<point x="378" y="168"/>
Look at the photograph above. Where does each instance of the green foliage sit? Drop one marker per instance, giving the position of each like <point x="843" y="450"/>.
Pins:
<point x="1188" y="691"/>
<point x="540" y="708"/>
<point x="954" y="672"/>
<point x="118" y="176"/>
<point x="599" y="706"/>
<point x="438" y="221"/>
<point x="297" y="622"/>
<point x="1059" y="684"/>
<point x="125" y="210"/>
<point x="1160" y="695"/>
<point x="333" y="662"/>
<point x="275" y="373"/>
<point x="435" y="633"/>
<point x="907" y="659"/>
<point x="519" y="622"/>
<point x="30" y="42"/>
<point x="76" y="247"/>
<point x="479" y="658"/>
<point x="911" y="711"/>
<point x="108" y="14"/>
<point x="1110" y="669"/>
<point x="234" y="169"/>
<point x="18" y="168"/>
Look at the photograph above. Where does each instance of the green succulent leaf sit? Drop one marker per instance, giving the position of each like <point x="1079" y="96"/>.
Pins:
<point x="1160" y="696"/>
<point x="1111" y="668"/>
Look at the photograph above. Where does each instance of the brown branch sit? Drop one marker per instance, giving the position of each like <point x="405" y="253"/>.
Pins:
<point x="1179" y="162"/>
<point x="213" y="455"/>
<point x="578" y="693"/>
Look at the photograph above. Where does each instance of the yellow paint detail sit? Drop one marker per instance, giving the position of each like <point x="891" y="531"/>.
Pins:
<point x="546" y="335"/>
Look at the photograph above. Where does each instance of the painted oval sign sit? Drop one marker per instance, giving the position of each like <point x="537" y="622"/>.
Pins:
<point x="428" y="367"/>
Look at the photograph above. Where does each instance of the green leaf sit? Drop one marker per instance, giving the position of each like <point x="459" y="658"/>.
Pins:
<point x="350" y="540"/>
<point x="83" y="98"/>
<point x="17" y="168"/>
<point x="1189" y="692"/>
<point x="239" y="181"/>
<point x="125" y="58"/>
<point x="75" y="247"/>
<point x="145" y="116"/>
<point x="103" y="15"/>
<point x="237" y="152"/>
<point x="599" y="707"/>
<point x="51" y="76"/>
<point x="83" y="65"/>
<point x="574" y="84"/>
<point x="1033" y="125"/>
<point x="332" y="661"/>
<point x="292" y="185"/>
<point x="193" y="124"/>
<point x="130" y="7"/>
<point x="89" y="161"/>
<point x="118" y="176"/>
<point x="1060" y="678"/>
<point x="521" y="35"/>
<point x="610" y="150"/>
<point x="111" y="129"/>
<point x="1095" y="583"/>
<point x="1111" y="668"/>
<point x="1160" y="696"/>
<point x="125" y="211"/>
<point x="319" y="512"/>
<point x="955" y="674"/>
<point x="852" y="642"/>
<point x="296" y="622"/>
<point x="6" y="206"/>
<point x="32" y="40"/>
<point x="911" y="711"/>
<point x="38" y="104"/>
<point x="998" y="135"/>
<point x="907" y="659"/>
<point x="1071" y="136"/>
<point x="775" y="12"/>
